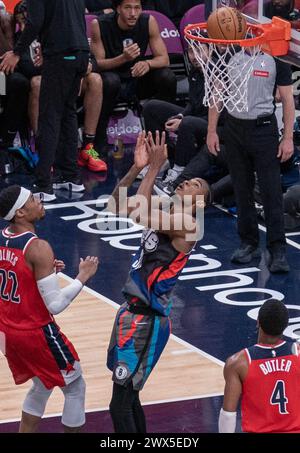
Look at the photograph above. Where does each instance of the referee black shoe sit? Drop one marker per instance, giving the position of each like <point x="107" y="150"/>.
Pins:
<point x="278" y="263"/>
<point x="245" y="253"/>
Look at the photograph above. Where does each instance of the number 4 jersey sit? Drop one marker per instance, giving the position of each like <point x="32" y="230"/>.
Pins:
<point x="21" y="305"/>
<point x="271" y="389"/>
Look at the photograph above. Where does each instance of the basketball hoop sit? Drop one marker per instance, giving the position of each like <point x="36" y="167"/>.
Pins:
<point x="227" y="65"/>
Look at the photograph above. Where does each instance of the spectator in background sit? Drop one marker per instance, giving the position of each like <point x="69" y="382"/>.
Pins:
<point x="119" y="43"/>
<point x="27" y="67"/>
<point x="17" y="87"/>
<point x="285" y="9"/>
<point x="92" y="99"/>
<point x="291" y="206"/>
<point x="61" y="28"/>
<point x="91" y="91"/>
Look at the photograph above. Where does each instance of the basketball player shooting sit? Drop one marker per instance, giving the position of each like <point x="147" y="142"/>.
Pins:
<point x="142" y="325"/>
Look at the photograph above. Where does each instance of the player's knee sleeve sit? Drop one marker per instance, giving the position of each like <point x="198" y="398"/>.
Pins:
<point x="36" y="399"/>
<point x="74" y="407"/>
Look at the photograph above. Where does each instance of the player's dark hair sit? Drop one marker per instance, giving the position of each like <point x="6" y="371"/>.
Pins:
<point x="8" y="197"/>
<point x="208" y="195"/>
<point x="273" y="317"/>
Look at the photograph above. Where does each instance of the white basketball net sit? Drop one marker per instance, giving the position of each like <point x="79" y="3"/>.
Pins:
<point x="226" y="70"/>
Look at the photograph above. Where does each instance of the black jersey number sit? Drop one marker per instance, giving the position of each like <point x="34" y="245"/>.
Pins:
<point x="279" y="397"/>
<point x="12" y="294"/>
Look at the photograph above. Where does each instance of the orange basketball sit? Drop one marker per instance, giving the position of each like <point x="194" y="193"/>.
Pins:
<point x="226" y="23"/>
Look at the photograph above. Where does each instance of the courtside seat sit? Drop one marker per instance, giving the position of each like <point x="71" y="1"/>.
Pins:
<point x="192" y="16"/>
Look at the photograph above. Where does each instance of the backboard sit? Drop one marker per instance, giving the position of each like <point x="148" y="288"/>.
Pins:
<point x="257" y="11"/>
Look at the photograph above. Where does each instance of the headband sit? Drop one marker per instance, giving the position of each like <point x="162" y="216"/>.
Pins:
<point x="21" y="200"/>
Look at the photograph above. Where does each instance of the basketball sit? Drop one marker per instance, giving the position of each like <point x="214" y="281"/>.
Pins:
<point x="226" y="23"/>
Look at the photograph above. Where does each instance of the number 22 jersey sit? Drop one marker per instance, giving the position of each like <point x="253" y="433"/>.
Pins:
<point x="21" y="305"/>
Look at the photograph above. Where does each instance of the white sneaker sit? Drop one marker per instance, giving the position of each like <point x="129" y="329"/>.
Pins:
<point x="171" y="176"/>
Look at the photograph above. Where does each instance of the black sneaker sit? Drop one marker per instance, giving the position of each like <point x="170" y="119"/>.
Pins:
<point x="46" y="193"/>
<point x="278" y="263"/>
<point x="165" y="189"/>
<point x="73" y="185"/>
<point x="245" y="253"/>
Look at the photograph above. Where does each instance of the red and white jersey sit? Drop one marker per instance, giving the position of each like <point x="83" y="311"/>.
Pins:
<point x="21" y="305"/>
<point x="271" y="389"/>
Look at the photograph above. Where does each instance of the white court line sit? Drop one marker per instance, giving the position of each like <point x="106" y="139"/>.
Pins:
<point x="181" y="352"/>
<point x="262" y="228"/>
<point x="190" y="348"/>
<point x="97" y="200"/>
<point x="174" y="337"/>
<point x="105" y="299"/>
<point x="76" y="204"/>
<point x="294" y="233"/>
<point x="104" y="409"/>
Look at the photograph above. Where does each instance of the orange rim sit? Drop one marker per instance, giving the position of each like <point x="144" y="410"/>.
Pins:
<point x="273" y="36"/>
<point x="248" y="42"/>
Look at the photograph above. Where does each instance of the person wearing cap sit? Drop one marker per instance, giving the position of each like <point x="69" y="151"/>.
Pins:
<point x="119" y="43"/>
<point x="265" y="377"/>
<point x="34" y="346"/>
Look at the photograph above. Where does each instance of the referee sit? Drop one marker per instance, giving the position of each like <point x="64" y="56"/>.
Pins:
<point x="252" y="145"/>
<point x="60" y="27"/>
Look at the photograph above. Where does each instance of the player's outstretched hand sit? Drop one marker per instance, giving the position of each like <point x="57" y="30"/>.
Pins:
<point x="141" y="158"/>
<point x="157" y="149"/>
<point x="87" y="268"/>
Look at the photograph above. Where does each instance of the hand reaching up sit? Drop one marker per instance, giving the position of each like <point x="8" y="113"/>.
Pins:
<point x="87" y="268"/>
<point x="141" y="158"/>
<point x="157" y="150"/>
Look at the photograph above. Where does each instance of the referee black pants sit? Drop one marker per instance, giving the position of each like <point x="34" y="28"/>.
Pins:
<point x="57" y="128"/>
<point x="251" y="148"/>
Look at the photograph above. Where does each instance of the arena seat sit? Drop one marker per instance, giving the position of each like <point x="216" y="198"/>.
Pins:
<point x="192" y="16"/>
